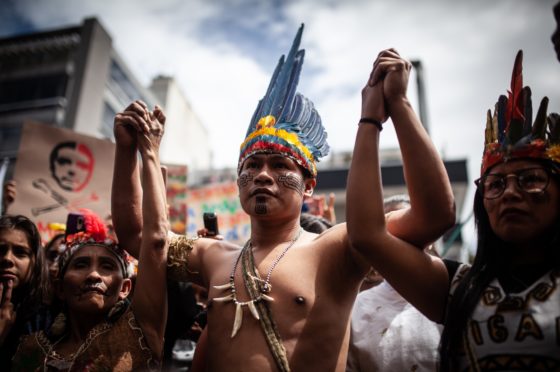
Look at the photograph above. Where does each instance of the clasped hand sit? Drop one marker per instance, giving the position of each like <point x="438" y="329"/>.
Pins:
<point x="386" y="86"/>
<point x="138" y="126"/>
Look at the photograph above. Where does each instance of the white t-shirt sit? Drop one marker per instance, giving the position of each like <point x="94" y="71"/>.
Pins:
<point x="389" y="334"/>
<point x="514" y="331"/>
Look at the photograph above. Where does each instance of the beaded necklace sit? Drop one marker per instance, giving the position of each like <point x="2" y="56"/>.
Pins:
<point x="264" y="287"/>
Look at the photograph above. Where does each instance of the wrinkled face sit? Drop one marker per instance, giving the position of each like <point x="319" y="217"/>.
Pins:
<point x="93" y="281"/>
<point x="272" y="184"/>
<point x="517" y="216"/>
<point x="16" y="257"/>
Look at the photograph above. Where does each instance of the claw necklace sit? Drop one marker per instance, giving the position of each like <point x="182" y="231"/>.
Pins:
<point x="264" y="287"/>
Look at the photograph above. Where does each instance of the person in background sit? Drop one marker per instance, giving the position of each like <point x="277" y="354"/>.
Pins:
<point x="315" y="224"/>
<point x="318" y="205"/>
<point x="99" y="328"/>
<point x="387" y="333"/>
<point x="23" y="284"/>
<point x="53" y="249"/>
<point x="501" y="312"/>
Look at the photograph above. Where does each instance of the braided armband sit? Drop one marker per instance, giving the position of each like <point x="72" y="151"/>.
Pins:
<point x="180" y="247"/>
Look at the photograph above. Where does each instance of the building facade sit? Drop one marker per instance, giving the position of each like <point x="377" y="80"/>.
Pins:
<point x="186" y="139"/>
<point x="74" y="78"/>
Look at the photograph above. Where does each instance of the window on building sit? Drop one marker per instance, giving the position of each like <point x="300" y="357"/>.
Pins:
<point x="35" y="88"/>
<point x="107" y="124"/>
<point x="124" y="83"/>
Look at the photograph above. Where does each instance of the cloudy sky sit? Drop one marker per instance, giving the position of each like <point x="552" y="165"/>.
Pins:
<point x="223" y="52"/>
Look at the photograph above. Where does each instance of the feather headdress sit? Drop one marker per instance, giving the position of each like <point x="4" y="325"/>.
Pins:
<point x="511" y="133"/>
<point x="285" y="121"/>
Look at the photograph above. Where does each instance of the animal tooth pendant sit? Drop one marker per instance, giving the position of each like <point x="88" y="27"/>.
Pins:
<point x="229" y="297"/>
<point x="238" y="319"/>
<point x="223" y="286"/>
<point x="253" y="309"/>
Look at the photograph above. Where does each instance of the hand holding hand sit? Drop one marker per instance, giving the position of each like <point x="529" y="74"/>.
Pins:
<point x="129" y="122"/>
<point x="150" y="137"/>
<point x="137" y="126"/>
<point x="373" y="102"/>
<point x="393" y="71"/>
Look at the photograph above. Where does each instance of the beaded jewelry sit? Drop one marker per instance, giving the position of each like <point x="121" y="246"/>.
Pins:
<point x="264" y="288"/>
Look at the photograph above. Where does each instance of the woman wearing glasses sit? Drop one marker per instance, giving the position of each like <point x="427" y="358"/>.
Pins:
<point x="503" y="311"/>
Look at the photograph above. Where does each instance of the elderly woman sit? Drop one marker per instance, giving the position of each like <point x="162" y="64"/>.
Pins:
<point x="98" y="329"/>
<point x="501" y="313"/>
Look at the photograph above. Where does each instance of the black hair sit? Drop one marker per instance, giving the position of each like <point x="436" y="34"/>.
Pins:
<point x="488" y="262"/>
<point x="29" y="295"/>
<point x="394" y="202"/>
<point x="315" y="224"/>
<point x="51" y="242"/>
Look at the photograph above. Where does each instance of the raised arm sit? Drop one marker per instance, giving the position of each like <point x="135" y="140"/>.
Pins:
<point x="150" y="297"/>
<point x="126" y="195"/>
<point x="432" y="206"/>
<point x="419" y="278"/>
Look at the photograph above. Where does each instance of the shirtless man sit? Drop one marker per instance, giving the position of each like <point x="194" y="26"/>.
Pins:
<point x="307" y="282"/>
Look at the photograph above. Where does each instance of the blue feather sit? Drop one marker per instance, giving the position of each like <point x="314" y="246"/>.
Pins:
<point x="293" y="112"/>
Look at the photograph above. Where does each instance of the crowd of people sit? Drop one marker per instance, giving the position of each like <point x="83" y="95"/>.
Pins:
<point x="303" y="293"/>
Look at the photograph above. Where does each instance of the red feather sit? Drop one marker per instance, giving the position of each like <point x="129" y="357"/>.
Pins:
<point x="94" y="225"/>
<point x="514" y="108"/>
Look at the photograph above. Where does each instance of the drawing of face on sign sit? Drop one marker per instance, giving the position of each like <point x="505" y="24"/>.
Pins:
<point x="71" y="165"/>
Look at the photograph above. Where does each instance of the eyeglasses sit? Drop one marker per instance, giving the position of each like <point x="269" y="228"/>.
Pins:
<point x="531" y="181"/>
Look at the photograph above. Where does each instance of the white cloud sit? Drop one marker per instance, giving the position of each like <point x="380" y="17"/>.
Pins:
<point x="467" y="50"/>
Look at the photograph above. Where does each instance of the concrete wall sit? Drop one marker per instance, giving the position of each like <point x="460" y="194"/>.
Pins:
<point x="186" y="140"/>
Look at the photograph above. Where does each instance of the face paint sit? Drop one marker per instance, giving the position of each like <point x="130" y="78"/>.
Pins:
<point x="244" y="179"/>
<point x="260" y="205"/>
<point x="292" y="181"/>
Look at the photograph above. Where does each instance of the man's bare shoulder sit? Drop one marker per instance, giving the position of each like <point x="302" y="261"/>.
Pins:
<point x="336" y="236"/>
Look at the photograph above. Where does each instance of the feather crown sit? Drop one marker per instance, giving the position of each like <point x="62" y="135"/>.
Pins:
<point x="285" y="121"/>
<point x="94" y="232"/>
<point x="511" y="133"/>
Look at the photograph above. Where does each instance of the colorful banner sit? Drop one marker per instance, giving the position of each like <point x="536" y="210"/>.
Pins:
<point x="222" y="199"/>
<point x="59" y="171"/>
<point x="177" y="197"/>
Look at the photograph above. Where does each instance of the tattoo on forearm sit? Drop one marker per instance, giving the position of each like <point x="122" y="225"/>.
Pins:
<point x="244" y="179"/>
<point x="292" y="181"/>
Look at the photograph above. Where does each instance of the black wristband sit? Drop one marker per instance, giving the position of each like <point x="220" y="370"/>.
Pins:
<point x="377" y="123"/>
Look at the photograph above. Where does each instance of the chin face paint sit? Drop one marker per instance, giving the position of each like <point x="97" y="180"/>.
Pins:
<point x="260" y="205"/>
